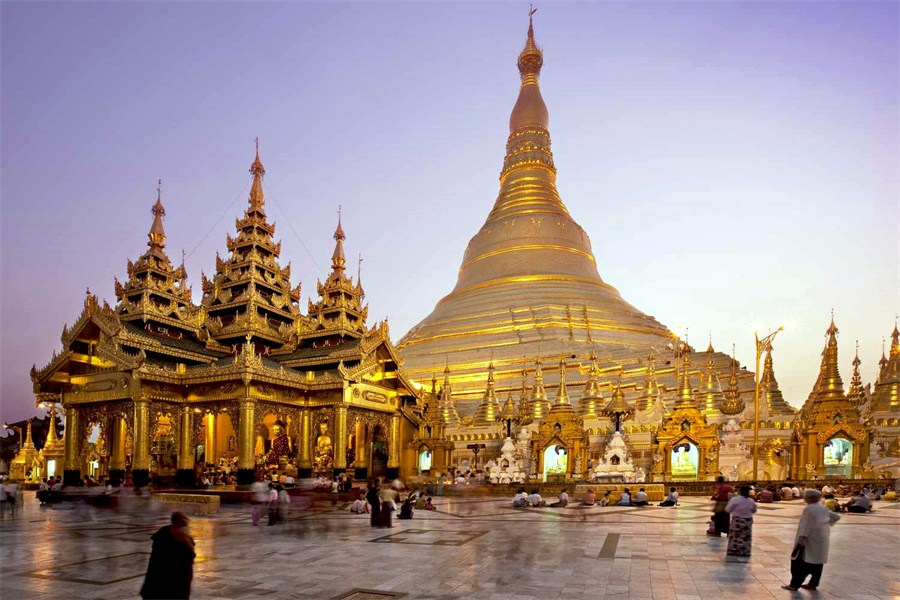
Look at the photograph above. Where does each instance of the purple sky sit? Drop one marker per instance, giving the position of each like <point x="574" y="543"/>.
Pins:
<point x="734" y="163"/>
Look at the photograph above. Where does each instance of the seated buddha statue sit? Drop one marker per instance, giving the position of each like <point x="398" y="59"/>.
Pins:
<point x="280" y="445"/>
<point x="324" y="454"/>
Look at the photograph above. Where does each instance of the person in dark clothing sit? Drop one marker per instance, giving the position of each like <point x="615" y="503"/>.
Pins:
<point x="171" y="567"/>
<point x="372" y="499"/>
<point x="406" y="510"/>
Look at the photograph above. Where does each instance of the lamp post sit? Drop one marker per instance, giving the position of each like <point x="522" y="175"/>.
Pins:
<point x="762" y="345"/>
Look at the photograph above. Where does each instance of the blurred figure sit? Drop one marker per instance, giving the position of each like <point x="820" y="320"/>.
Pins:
<point x="429" y="505"/>
<point x="171" y="567"/>
<point x="283" y="500"/>
<point x="811" y="543"/>
<point x="589" y="499"/>
<point x="521" y="499"/>
<point x="740" y="534"/>
<point x="562" y="500"/>
<point x="671" y="498"/>
<point x="640" y="499"/>
<point x="259" y="497"/>
<point x="273" y="504"/>
<point x="388" y="497"/>
<point x="359" y="505"/>
<point x="374" y="504"/>
<point x="721" y="519"/>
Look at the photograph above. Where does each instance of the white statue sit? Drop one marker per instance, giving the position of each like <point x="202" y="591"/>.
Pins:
<point x="507" y="468"/>
<point x="616" y="460"/>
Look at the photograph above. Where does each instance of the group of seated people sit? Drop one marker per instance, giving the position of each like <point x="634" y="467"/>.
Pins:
<point x="534" y="499"/>
<point x="415" y="500"/>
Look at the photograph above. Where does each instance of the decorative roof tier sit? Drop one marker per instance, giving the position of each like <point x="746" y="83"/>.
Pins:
<point x="591" y="398"/>
<point x="827" y="406"/>
<point x="155" y="296"/>
<point x="529" y="278"/>
<point x="886" y="393"/>
<point x="251" y="293"/>
<point x="489" y="409"/>
<point x="618" y="409"/>
<point x="339" y="310"/>
<point x="710" y="392"/>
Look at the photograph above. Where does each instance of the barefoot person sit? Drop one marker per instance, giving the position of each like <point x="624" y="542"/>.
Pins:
<point x="811" y="543"/>
<point x="171" y="567"/>
<point x="740" y="534"/>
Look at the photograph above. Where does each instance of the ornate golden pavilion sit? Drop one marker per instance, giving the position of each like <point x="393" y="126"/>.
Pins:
<point x="243" y="379"/>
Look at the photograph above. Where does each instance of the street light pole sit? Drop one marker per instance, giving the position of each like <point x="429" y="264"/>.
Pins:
<point x="761" y="346"/>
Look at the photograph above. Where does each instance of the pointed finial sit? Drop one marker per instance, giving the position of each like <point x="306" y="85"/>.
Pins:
<point x="257" y="170"/>
<point x="157" y="234"/>
<point x="531" y="59"/>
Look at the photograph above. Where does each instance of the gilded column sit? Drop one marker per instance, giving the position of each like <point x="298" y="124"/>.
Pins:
<point x="305" y="469"/>
<point x="393" y="464"/>
<point x="210" y="441"/>
<point x="362" y="451"/>
<point x="184" y="477"/>
<point x="117" y="450"/>
<point x="140" y="466"/>
<point x="246" y="440"/>
<point x="340" y="441"/>
<point x="72" y="465"/>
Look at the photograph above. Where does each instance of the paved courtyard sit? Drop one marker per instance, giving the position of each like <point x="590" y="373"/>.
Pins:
<point x="469" y="548"/>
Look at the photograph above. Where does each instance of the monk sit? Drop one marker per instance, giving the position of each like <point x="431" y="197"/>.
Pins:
<point x="171" y="567"/>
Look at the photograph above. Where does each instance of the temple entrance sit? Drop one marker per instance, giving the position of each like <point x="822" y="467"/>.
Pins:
<point x="556" y="461"/>
<point x="685" y="462"/>
<point x="838" y="457"/>
<point x="163" y="454"/>
<point x="379" y="459"/>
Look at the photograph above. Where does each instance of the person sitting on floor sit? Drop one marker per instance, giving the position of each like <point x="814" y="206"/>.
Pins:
<point x="671" y="498"/>
<point x="795" y="492"/>
<point x="766" y="496"/>
<point x="521" y="499"/>
<point x="429" y="505"/>
<point x="562" y="501"/>
<point x="640" y="499"/>
<point x="536" y="499"/>
<point x="604" y="501"/>
<point x="359" y="505"/>
<point x="786" y="492"/>
<point x="406" y="510"/>
<point x="626" y="498"/>
<point x="831" y="504"/>
<point x="589" y="499"/>
<point x="858" y="504"/>
<point x="827" y="489"/>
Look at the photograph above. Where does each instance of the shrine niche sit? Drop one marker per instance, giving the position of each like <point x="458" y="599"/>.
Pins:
<point x="559" y="445"/>
<point x="686" y="447"/>
<point x="828" y="438"/>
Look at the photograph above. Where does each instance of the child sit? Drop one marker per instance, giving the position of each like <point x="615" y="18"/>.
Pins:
<point x="429" y="505"/>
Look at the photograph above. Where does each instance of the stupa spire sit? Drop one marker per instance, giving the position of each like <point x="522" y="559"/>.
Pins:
<point x="562" y="396"/>
<point x="446" y="406"/>
<point x="650" y="391"/>
<point x="256" y="188"/>
<point x="685" y="391"/>
<point x="337" y="258"/>
<point x="856" y="394"/>
<point x="711" y="395"/>
<point x="540" y="406"/>
<point x="157" y="234"/>
<point x="733" y="405"/>
<point x="489" y="409"/>
<point x="592" y="398"/>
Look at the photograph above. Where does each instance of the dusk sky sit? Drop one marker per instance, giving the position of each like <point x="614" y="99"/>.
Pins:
<point x="735" y="164"/>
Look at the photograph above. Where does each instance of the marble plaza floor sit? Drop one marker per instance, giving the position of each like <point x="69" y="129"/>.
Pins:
<point x="469" y="548"/>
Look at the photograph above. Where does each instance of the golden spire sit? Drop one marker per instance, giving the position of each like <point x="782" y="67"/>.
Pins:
<point x="882" y="364"/>
<point x="733" y="405"/>
<point x="337" y="258"/>
<point x="28" y="442"/>
<point x="256" y="189"/>
<point x="540" y="406"/>
<point x="157" y="234"/>
<point x="886" y="392"/>
<point x="650" y="391"/>
<point x="562" y="397"/>
<point x="829" y="385"/>
<point x="446" y="406"/>
<point x="489" y="409"/>
<point x="530" y="110"/>
<point x="711" y="388"/>
<point x="510" y="412"/>
<point x="592" y="397"/>
<point x="52" y="436"/>
<point x="856" y="394"/>
<point x="685" y="391"/>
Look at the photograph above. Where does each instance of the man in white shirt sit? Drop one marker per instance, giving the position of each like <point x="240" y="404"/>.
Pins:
<point x="795" y="492"/>
<point x="521" y="499"/>
<point x="640" y="499"/>
<point x="536" y="499"/>
<point x="671" y="499"/>
<point x="827" y="489"/>
<point x="289" y="481"/>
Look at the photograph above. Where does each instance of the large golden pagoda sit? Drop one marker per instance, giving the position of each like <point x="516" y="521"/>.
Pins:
<point x="528" y="287"/>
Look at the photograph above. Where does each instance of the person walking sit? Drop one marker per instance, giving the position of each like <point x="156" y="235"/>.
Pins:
<point x="374" y="504"/>
<point x="811" y="542"/>
<point x="388" y="496"/>
<point x="740" y="535"/>
<point x="721" y="519"/>
<point x="272" y="505"/>
<point x="171" y="567"/>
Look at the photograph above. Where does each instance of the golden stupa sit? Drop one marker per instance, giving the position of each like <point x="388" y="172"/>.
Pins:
<point x="529" y="288"/>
